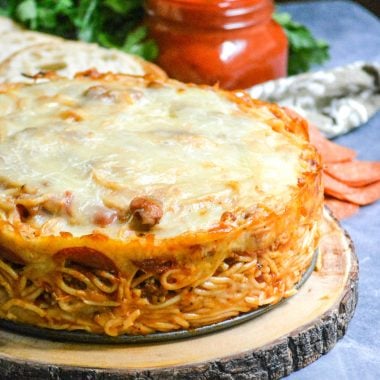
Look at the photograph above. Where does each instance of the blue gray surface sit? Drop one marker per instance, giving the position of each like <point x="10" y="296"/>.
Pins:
<point x="354" y="34"/>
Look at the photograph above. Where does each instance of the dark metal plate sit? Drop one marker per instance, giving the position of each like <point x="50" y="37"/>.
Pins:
<point x="85" y="337"/>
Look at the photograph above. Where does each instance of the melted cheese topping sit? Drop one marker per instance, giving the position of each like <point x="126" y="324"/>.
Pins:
<point x="83" y="147"/>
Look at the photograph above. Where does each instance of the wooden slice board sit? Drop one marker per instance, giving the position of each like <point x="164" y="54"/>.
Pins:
<point x="287" y="338"/>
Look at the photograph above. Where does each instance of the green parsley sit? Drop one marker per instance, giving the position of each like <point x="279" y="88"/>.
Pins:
<point x="304" y="49"/>
<point x="110" y="23"/>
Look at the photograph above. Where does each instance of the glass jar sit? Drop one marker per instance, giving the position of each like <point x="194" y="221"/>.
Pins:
<point x="234" y="43"/>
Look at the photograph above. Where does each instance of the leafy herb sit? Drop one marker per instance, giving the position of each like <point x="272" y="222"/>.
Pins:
<point x="117" y="24"/>
<point x="304" y="49"/>
<point x="111" y="23"/>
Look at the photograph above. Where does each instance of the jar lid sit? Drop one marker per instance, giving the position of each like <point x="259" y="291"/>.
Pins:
<point x="226" y="14"/>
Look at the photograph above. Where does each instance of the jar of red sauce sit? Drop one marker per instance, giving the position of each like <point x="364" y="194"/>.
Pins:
<point x="233" y="42"/>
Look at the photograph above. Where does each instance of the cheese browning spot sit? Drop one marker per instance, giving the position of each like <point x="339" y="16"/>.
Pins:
<point x="41" y="75"/>
<point x="145" y="211"/>
<point x="100" y="92"/>
<point x="73" y="115"/>
<point x="103" y="217"/>
<point x="109" y="96"/>
<point x="228" y="217"/>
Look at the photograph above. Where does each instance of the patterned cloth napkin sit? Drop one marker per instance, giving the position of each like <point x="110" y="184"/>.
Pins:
<point x="336" y="101"/>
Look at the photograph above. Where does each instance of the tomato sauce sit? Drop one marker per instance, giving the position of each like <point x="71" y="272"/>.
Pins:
<point x="234" y="43"/>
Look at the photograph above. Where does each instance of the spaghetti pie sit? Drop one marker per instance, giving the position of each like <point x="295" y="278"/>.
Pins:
<point x="135" y="205"/>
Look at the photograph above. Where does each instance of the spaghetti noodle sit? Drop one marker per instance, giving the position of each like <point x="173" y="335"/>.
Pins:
<point x="176" y="209"/>
<point x="73" y="296"/>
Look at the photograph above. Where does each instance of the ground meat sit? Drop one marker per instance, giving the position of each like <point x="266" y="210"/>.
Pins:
<point x="155" y="265"/>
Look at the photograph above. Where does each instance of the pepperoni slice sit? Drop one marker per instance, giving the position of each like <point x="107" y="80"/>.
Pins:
<point x="11" y="256"/>
<point x="355" y="173"/>
<point x="87" y="257"/>
<point x="341" y="209"/>
<point x="358" y="195"/>
<point x="329" y="151"/>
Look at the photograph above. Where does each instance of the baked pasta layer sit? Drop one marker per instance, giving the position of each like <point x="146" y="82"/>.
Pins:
<point x="135" y="205"/>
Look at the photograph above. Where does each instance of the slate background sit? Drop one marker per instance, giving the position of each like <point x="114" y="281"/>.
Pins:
<point x="372" y="5"/>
